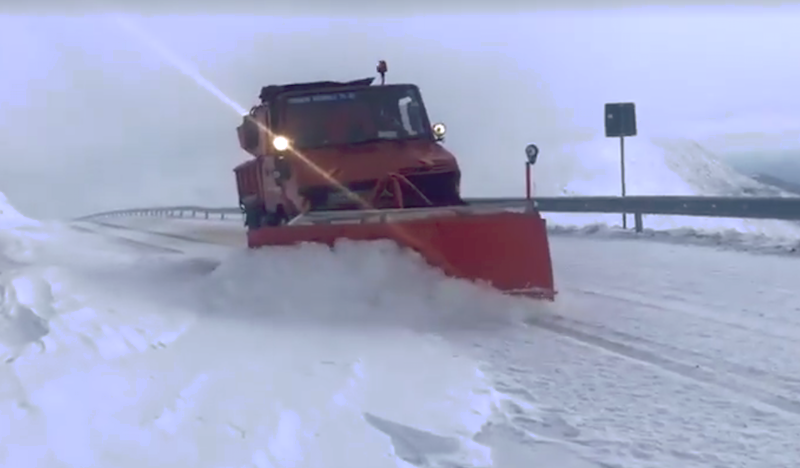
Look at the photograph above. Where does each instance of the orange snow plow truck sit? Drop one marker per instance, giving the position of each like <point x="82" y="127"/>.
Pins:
<point x="353" y="160"/>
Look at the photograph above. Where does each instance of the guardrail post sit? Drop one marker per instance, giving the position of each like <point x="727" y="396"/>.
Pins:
<point x="206" y="214"/>
<point x="638" y="222"/>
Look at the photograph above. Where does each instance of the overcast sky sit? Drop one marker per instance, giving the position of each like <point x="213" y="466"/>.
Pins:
<point x="95" y="115"/>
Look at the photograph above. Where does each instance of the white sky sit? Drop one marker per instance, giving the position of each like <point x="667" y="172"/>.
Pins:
<point x="91" y="118"/>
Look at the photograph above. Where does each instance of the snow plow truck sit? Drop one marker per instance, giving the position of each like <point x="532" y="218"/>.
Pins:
<point x="362" y="161"/>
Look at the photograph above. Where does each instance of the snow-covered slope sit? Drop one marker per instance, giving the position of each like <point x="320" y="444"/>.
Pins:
<point x="706" y="174"/>
<point x="666" y="167"/>
<point x="658" y="166"/>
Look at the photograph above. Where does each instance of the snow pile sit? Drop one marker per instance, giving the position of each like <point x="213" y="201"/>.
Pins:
<point x="281" y="357"/>
<point x="352" y="314"/>
<point x="17" y="234"/>
<point x="10" y="218"/>
<point x="667" y="167"/>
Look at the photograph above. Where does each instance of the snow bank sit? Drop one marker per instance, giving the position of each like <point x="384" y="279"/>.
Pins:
<point x="726" y="239"/>
<point x="666" y="167"/>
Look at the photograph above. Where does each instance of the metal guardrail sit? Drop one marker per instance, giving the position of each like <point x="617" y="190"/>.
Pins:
<point x="183" y="211"/>
<point x="778" y="208"/>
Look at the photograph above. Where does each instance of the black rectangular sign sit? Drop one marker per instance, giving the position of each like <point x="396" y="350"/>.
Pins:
<point x="620" y="119"/>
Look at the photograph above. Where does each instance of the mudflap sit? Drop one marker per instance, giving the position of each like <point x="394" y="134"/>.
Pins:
<point x="508" y="250"/>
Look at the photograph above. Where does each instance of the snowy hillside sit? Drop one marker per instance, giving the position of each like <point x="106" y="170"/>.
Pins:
<point x="658" y="167"/>
<point x="666" y="167"/>
<point x="706" y="174"/>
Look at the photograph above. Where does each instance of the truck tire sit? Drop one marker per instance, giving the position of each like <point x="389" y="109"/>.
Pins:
<point x="258" y="217"/>
<point x="252" y="218"/>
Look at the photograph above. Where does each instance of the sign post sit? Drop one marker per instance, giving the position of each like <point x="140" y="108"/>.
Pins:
<point x="620" y="121"/>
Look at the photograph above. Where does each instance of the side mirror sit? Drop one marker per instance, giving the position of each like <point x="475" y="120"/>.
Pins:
<point x="532" y="152"/>
<point x="438" y="131"/>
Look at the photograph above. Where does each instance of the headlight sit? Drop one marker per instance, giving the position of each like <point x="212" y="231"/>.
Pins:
<point x="439" y="130"/>
<point x="280" y="143"/>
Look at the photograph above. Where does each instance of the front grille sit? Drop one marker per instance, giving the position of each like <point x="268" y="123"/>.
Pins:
<point x="440" y="188"/>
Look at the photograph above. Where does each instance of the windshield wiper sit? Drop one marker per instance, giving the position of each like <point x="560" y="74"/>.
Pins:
<point x="372" y="140"/>
<point x="397" y="138"/>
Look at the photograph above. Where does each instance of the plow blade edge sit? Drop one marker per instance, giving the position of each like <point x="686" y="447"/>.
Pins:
<point x="510" y="251"/>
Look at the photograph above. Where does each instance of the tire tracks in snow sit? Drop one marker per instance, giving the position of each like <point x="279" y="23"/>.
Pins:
<point x="596" y="337"/>
<point x="763" y="371"/>
<point x="674" y="305"/>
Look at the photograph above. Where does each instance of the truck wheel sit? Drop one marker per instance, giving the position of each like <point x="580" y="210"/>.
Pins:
<point x="252" y="219"/>
<point x="258" y="217"/>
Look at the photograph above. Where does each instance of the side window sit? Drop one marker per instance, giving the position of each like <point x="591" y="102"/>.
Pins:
<point x="248" y="134"/>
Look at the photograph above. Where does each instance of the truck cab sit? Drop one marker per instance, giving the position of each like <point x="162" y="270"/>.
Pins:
<point x="328" y="145"/>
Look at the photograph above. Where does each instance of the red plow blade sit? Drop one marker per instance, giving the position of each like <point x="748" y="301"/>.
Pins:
<point x="508" y="250"/>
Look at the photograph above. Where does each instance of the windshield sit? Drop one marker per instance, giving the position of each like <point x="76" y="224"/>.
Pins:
<point x="351" y="117"/>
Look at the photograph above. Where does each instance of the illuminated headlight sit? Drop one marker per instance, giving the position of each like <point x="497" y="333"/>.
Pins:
<point x="280" y="143"/>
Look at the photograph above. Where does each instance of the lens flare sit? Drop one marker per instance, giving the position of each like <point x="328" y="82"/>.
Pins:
<point x="189" y="70"/>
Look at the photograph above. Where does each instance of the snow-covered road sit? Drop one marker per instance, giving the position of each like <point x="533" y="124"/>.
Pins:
<point x="163" y="343"/>
<point x="662" y="355"/>
<point x="655" y="354"/>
